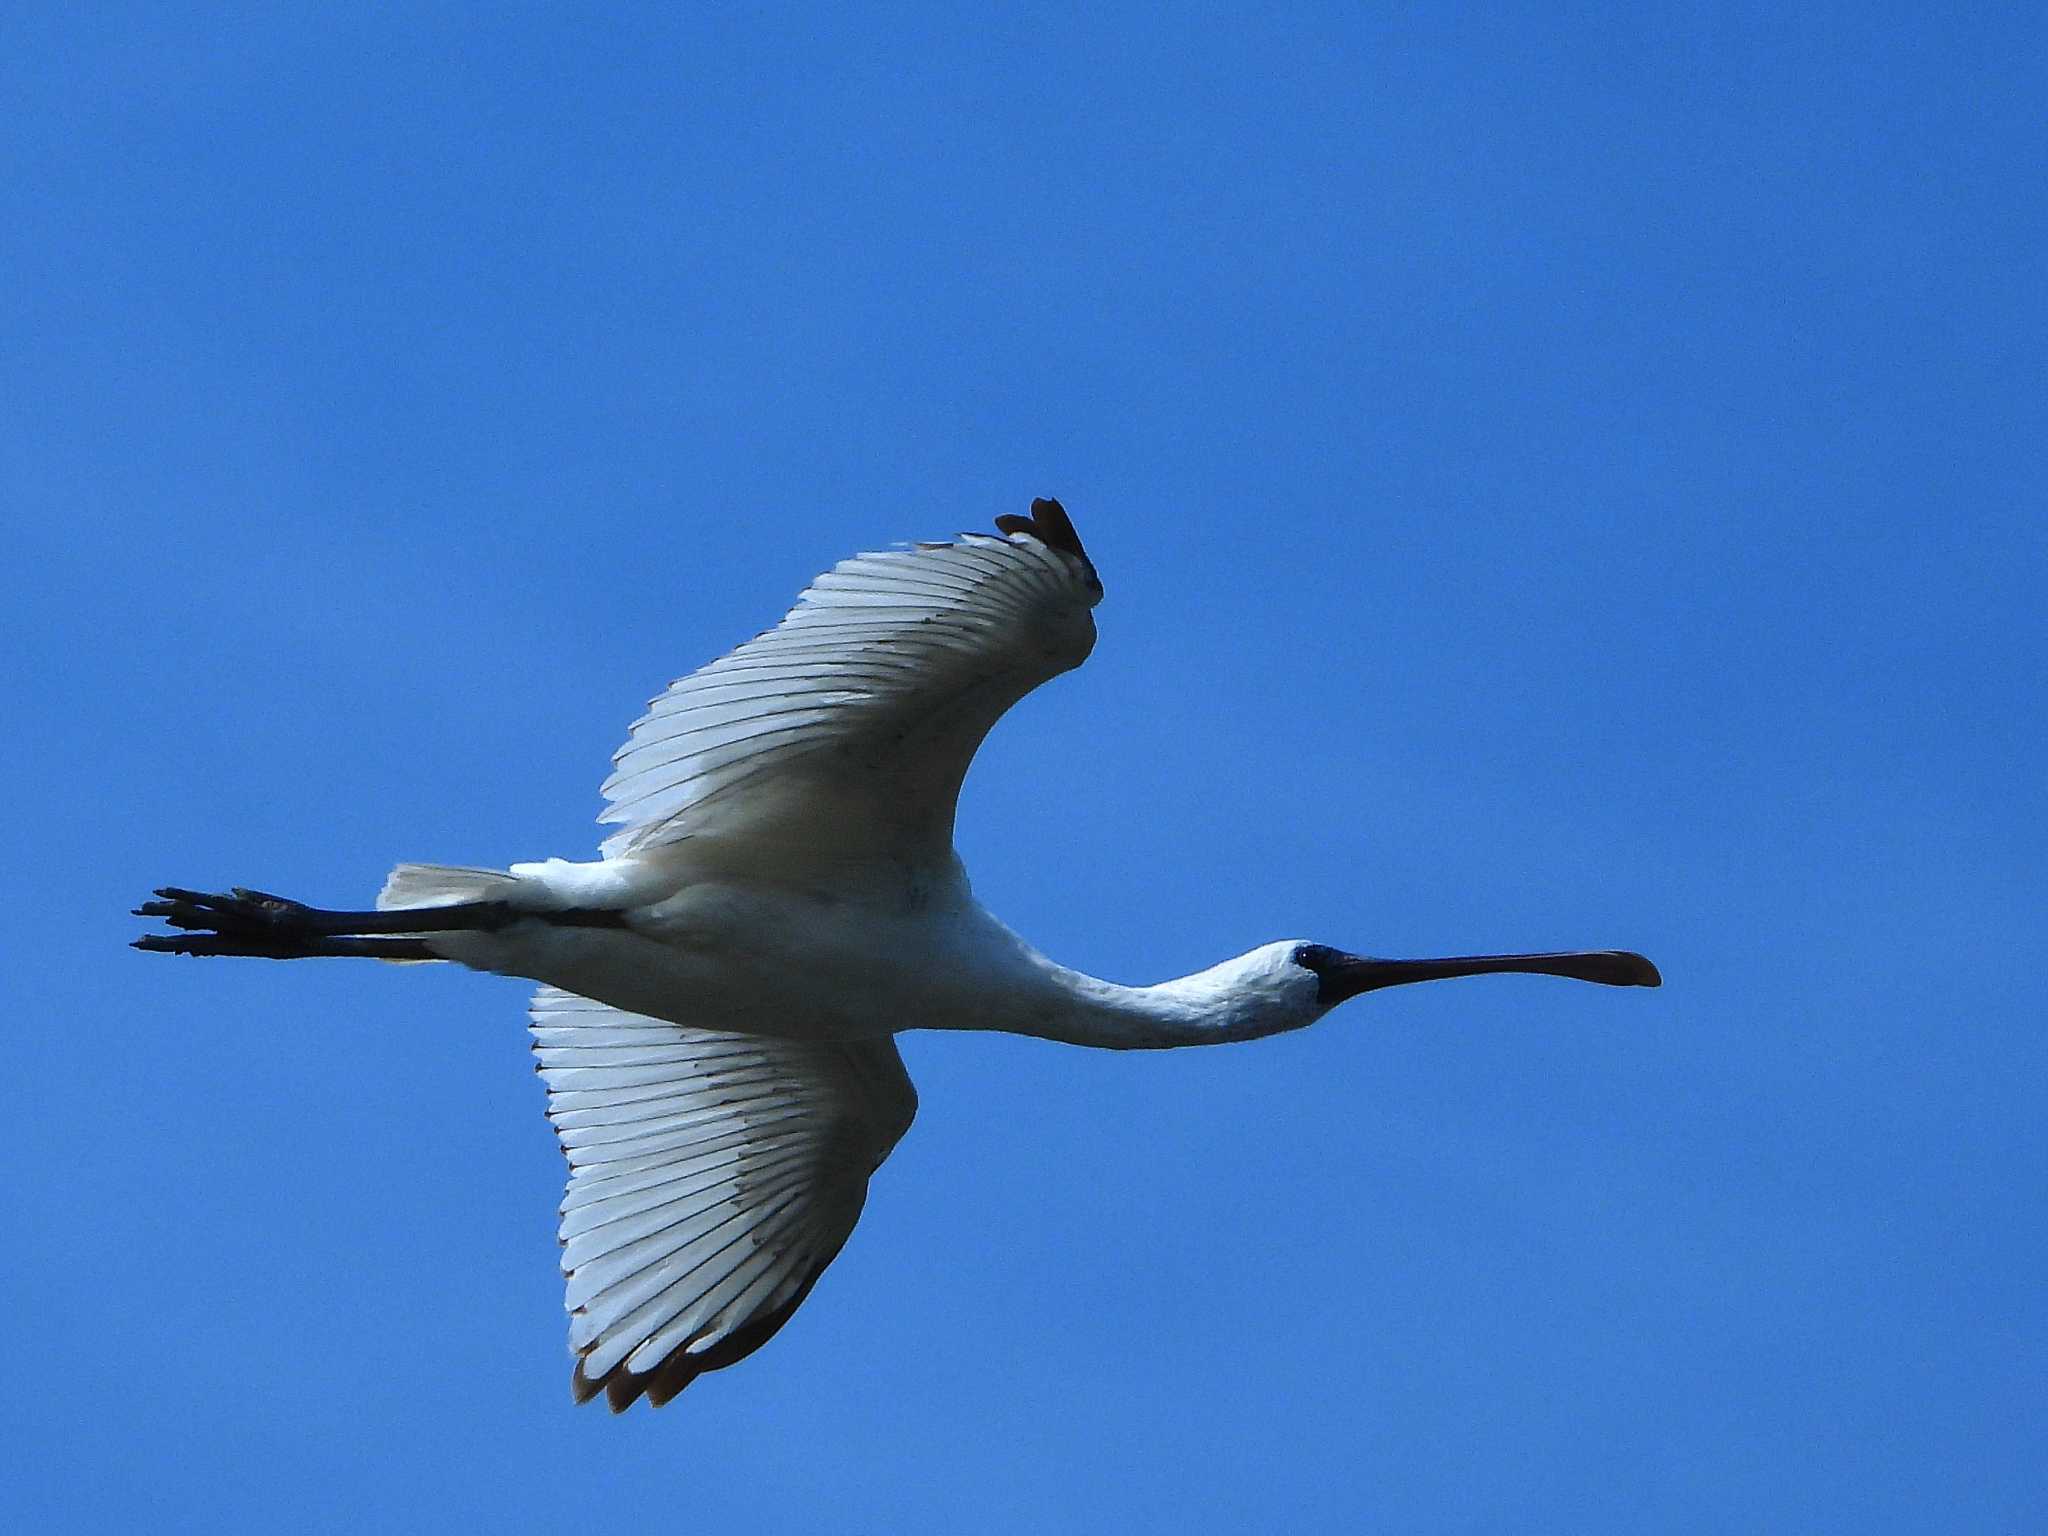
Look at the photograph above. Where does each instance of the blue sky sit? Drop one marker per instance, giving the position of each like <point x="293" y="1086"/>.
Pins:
<point x="1562" y="478"/>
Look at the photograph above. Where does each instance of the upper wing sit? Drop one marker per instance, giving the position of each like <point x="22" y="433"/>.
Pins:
<point x="850" y="725"/>
<point x="712" y="1177"/>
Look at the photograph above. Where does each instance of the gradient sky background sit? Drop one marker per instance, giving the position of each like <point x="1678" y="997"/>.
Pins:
<point x="1562" y="478"/>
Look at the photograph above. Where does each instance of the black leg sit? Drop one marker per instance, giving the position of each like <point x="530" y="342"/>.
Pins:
<point x="245" y="911"/>
<point x="283" y="947"/>
<point x="246" y="922"/>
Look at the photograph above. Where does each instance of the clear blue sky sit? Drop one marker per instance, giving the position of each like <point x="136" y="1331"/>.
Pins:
<point x="1562" y="478"/>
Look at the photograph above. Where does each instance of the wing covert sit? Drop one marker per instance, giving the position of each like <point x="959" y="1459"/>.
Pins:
<point x="851" y="724"/>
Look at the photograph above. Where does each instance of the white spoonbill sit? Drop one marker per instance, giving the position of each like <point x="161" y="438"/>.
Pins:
<point x="721" y="990"/>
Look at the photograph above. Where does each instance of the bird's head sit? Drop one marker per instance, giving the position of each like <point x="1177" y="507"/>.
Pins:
<point x="1291" y="983"/>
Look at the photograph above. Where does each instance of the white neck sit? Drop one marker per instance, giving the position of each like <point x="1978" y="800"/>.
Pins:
<point x="1256" y="994"/>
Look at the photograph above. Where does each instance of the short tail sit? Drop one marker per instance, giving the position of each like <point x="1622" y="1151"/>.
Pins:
<point x="412" y="886"/>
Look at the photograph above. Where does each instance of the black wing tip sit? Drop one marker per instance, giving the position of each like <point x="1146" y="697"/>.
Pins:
<point x="622" y="1388"/>
<point x="1050" y="525"/>
<point x="583" y="1386"/>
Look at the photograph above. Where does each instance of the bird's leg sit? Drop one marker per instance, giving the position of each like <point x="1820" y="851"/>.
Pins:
<point x="246" y="922"/>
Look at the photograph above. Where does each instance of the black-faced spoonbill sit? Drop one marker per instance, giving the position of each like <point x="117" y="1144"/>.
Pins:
<point x="721" y="989"/>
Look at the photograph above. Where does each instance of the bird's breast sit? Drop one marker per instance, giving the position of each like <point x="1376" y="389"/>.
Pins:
<point x="817" y="964"/>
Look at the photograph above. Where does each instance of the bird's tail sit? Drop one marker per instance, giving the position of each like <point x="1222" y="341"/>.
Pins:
<point x="442" y="885"/>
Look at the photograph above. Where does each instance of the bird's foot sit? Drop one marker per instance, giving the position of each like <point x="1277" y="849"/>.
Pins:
<point x="240" y="911"/>
<point x="258" y="924"/>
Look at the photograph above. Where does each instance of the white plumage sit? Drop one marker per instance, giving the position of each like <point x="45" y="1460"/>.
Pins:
<point x="712" y="1176"/>
<point x="722" y="988"/>
<point x="854" y="719"/>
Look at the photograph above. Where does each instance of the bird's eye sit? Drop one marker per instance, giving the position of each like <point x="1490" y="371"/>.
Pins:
<point x="1313" y="957"/>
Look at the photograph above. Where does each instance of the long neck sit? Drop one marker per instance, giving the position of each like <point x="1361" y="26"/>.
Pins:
<point x="1200" y="1009"/>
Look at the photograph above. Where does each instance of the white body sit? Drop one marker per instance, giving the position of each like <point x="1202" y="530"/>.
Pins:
<point x="788" y="954"/>
<point x="722" y="989"/>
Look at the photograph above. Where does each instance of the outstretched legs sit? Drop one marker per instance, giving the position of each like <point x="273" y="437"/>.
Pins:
<point x="246" y="922"/>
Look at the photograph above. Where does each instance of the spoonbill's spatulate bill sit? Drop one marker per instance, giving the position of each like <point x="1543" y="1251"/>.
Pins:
<point x="721" y="991"/>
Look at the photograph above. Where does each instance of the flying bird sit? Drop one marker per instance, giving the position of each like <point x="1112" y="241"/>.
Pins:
<point x="721" y="989"/>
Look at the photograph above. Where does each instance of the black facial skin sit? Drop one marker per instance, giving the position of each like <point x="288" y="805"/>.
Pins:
<point x="1326" y="964"/>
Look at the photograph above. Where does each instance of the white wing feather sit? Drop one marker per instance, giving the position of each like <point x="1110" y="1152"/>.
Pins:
<point x="850" y="725"/>
<point x="713" y="1176"/>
